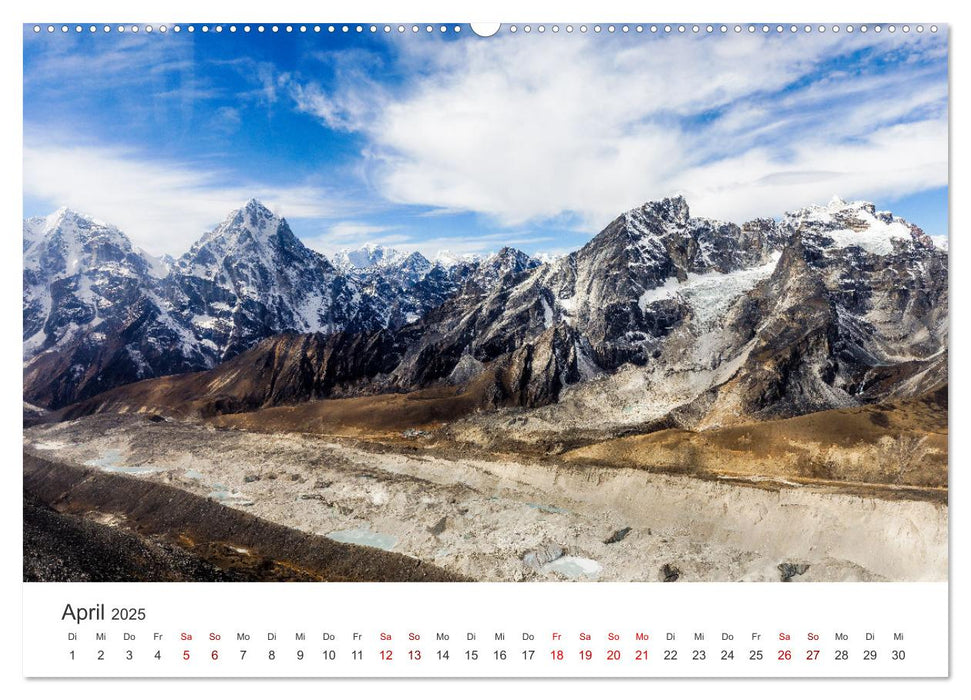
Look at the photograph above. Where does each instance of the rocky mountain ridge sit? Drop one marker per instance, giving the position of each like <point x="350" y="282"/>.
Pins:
<point x="662" y="318"/>
<point x="99" y="313"/>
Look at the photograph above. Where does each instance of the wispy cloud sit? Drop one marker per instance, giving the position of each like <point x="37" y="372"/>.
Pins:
<point x="344" y="109"/>
<point x="83" y="69"/>
<point x="163" y="205"/>
<point x="525" y="130"/>
<point x="226" y="119"/>
<point x="472" y="144"/>
<point x="348" y="234"/>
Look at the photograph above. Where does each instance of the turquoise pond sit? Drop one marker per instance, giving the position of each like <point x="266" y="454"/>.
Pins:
<point x="365" y="537"/>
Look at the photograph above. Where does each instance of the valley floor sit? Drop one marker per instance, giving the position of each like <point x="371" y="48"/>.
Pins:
<point x="503" y="518"/>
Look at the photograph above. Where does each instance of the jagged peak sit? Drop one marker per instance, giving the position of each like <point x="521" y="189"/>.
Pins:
<point x="503" y="262"/>
<point x="510" y="254"/>
<point x="253" y="212"/>
<point x="254" y="204"/>
<point x="70" y="241"/>
<point x="416" y="258"/>
<point x="653" y="219"/>
<point x="251" y="233"/>
<point x="648" y="222"/>
<point x="674" y="209"/>
<point x="253" y="219"/>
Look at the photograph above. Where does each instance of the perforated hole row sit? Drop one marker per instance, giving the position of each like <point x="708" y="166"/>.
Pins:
<point x="512" y="28"/>
<point x="245" y="28"/>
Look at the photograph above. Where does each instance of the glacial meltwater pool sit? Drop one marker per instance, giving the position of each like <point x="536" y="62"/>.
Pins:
<point x="574" y="567"/>
<point x="365" y="537"/>
<point x="547" y="508"/>
<point x="110" y="461"/>
<point x="227" y="497"/>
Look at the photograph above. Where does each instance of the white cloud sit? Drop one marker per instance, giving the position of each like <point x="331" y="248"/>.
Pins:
<point x="226" y="119"/>
<point x="893" y="161"/>
<point x="528" y="129"/>
<point x="162" y="206"/>
<point x="350" y="234"/>
<point x="344" y="231"/>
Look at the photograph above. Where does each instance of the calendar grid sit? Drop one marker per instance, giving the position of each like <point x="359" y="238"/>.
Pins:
<point x="486" y="630"/>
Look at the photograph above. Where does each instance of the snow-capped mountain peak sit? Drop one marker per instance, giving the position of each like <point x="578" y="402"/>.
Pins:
<point x="447" y="258"/>
<point x="68" y="223"/>
<point x="369" y="255"/>
<point x="840" y="224"/>
<point x="80" y="276"/>
<point x="67" y="241"/>
<point x="252" y="219"/>
<point x="649" y="224"/>
<point x="67" y="217"/>
<point x="249" y="238"/>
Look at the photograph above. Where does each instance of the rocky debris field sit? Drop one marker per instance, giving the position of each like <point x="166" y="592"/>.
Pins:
<point x="86" y="523"/>
<point x="59" y="547"/>
<point x="503" y="519"/>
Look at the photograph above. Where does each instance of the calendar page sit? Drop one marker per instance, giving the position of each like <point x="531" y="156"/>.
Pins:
<point x="558" y="350"/>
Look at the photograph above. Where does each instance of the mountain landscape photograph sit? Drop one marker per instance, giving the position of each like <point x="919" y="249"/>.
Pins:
<point x="398" y="306"/>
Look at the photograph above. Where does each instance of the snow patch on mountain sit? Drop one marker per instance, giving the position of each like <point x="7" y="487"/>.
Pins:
<point x="852" y="224"/>
<point x="709" y="294"/>
<point x="876" y="238"/>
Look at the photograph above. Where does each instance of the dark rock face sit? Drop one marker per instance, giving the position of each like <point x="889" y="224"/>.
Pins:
<point x="537" y="371"/>
<point x="290" y="368"/>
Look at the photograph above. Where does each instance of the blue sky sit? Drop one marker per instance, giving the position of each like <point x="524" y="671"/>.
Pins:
<point x="450" y="141"/>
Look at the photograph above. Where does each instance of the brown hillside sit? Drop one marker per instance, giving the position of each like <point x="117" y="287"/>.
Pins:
<point x="900" y="442"/>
